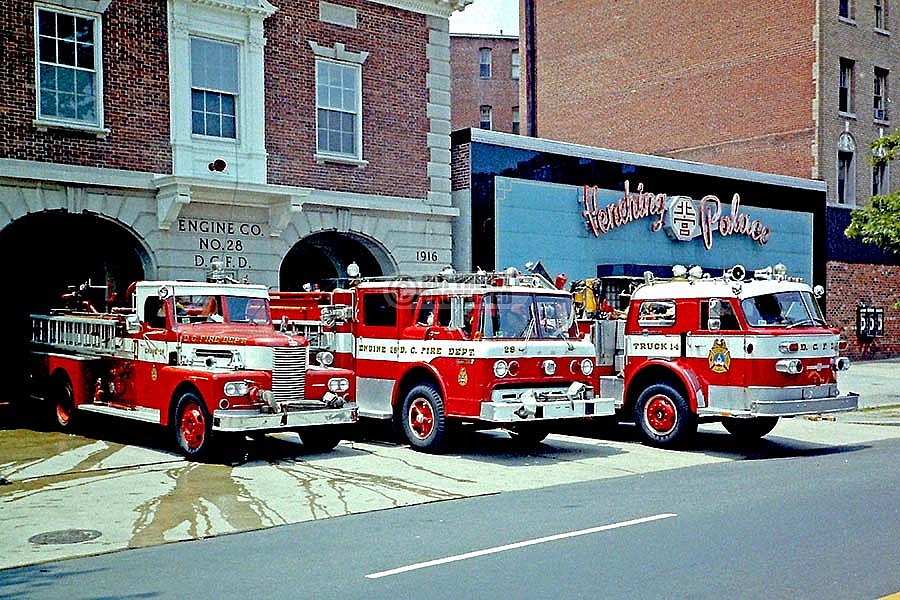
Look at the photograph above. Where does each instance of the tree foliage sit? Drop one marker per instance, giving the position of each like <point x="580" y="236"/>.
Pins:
<point x="879" y="222"/>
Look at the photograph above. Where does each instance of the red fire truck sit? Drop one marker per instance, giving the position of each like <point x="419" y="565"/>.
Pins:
<point x="201" y="358"/>
<point x="742" y="350"/>
<point x="492" y="350"/>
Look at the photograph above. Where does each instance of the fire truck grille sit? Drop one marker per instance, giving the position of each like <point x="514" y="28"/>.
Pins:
<point x="289" y="373"/>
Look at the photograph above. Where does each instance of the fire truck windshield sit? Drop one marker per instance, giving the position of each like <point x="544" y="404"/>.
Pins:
<point x="529" y="316"/>
<point x="220" y="309"/>
<point x="782" y="309"/>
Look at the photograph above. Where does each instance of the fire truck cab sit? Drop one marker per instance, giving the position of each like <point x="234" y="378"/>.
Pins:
<point x="742" y="350"/>
<point x="201" y="358"/>
<point x="491" y="350"/>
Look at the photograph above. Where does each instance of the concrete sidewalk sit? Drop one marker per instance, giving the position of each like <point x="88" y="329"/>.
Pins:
<point x="878" y="384"/>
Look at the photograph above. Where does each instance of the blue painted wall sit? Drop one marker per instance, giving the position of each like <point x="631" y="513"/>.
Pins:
<point x="538" y="220"/>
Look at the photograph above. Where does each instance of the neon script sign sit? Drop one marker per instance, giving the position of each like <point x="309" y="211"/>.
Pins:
<point x="681" y="217"/>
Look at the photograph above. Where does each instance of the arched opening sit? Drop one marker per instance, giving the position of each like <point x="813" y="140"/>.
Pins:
<point x="321" y="260"/>
<point x="49" y="252"/>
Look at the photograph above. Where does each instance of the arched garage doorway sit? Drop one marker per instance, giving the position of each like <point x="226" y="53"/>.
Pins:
<point x="321" y="259"/>
<point x="47" y="252"/>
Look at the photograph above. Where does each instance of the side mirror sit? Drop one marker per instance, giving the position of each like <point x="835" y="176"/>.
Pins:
<point x="714" y="322"/>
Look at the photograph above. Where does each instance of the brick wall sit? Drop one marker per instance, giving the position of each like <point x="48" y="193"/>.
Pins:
<point x="135" y="87"/>
<point x="682" y="76"/>
<point x="395" y="121"/>
<point x="470" y="91"/>
<point x="850" y="284"/>
<point x="461" y="167"/>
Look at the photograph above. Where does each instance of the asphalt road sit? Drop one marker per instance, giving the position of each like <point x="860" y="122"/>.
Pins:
<point x="795" y="521"/>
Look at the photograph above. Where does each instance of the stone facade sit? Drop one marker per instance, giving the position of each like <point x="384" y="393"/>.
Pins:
<point x="141" y="168"/>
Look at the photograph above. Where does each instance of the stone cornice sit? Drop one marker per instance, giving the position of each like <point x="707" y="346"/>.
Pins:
<point x="437" y="8"/>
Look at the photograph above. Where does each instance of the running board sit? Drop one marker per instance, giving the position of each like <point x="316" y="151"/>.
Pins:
<point x="146" y="415"/>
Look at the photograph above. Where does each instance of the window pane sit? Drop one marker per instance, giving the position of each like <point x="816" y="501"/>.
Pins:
<point x="228" y="127"/>
<point x="214" y="65"/>
<point x="84" y="83"/>
<point x="66" y="27"/>
<point x="66" y="105"/>
<point x="65" y="80"/>
<point x="84" y="31"/>
<point x="196" y="100"/>
<point x="198" y="124"/>
<point x="66" y="53"/>
<point x="47" y="23"/>
<point x="85" y="56"/>
<point x="48" y="104"/>
<point x="47" y="50"/>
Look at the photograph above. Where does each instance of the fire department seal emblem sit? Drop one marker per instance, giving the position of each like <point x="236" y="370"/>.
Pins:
<point x="719" y="357"/>
<point x="463" y="378"/>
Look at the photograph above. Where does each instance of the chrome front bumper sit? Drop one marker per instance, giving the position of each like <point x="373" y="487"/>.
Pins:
<point x="514" y="405"/>
<point x="234" y="420"/>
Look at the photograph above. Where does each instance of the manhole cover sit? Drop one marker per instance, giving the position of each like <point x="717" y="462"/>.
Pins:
<point x="65" y="536"/>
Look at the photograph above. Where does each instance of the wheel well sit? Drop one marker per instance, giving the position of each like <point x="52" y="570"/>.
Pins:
<point x="183" y="388"/>
<point x="651" y="375"/>
<point x="411" y="379"/>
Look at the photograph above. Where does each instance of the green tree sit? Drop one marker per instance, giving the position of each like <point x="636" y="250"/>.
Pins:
<point x="879" y="222"/>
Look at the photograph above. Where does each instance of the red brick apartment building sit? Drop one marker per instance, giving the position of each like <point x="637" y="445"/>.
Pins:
<point x="149" y="139"/>
<point x="798" y="89"/>
<point x="485" y="81"/>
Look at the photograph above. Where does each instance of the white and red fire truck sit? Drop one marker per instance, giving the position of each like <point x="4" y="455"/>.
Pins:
<point x="201" y="358"/>
<point x="742" y="350"/>
<point x="492" y="350"/>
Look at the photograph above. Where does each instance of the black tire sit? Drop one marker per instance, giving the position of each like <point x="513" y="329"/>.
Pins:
<point x="750" y="429"/>
<point x="663" y="416"/>
<point x="63" y="414"/>
<point x="528" y="434"/>
<point x="320" y="439"/>
<point x="192" y="427"/>
<point x="423" y="419"/>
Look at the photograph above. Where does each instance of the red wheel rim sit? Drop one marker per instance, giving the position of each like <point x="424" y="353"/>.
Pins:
<point x="192" y="426"/>
<point x="661" y="415"/>
<point x="63" y="414"/>
<point x="421" y="418"/>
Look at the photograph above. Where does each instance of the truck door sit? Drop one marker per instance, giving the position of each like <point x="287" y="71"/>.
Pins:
<point x="719" y="349"/>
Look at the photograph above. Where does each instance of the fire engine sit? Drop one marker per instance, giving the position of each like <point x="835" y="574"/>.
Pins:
<point x="201" y="358"/>
<point x="489" y="350"/>
<point x="744" y="349"/>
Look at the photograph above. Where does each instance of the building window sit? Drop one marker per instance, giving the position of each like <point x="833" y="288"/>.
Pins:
<point x="214" y="88"/>
<point x="845" y="9"/>
<point x="484" y="63"/>
<point x="515" y="119"/>
<point x="880" y="92"/>
<point x="881" y="15"/>
<point x="338" y="114"/>
<point x="68" y="68"/>
<point x="486" y="116"/>
<point x="846" y="167"/>
<point x="845" y="91"/>
<point x="880" y="180"/>
<point x="515" y="64"/>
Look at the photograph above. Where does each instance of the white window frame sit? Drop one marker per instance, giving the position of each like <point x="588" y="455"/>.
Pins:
<point x="221" y="91"/>
<point x="846" y="81"/>
<point x="485" y="115"/>
<point x="515" y="64"/>
<point x="880" y="95"/>
<point x="845" y="190"/>
<point x="850" y="17"/>
<point x="485" y="63"/>
<point x="230" y="22"/>
<point x="881" y="16"/>
<point x="516" y="120"/>
<point x="339" y="55"/>
<point x="44" y="122"/>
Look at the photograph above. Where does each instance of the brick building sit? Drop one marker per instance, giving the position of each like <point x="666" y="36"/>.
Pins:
<point x="148" y="139"/>
<point x="485" y="81"/>
<point x="798" y="89"/>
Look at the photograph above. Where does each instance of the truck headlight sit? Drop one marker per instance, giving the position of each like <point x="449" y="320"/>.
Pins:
<point x="237" y="388"/>
<point x="842" y="363"/>
<point x="791" y="366"/>
<point x="587" y="366"/>
<point x="548" y="367"/>
<point x="338" y="385"/>
<point x="325" y="358"/>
